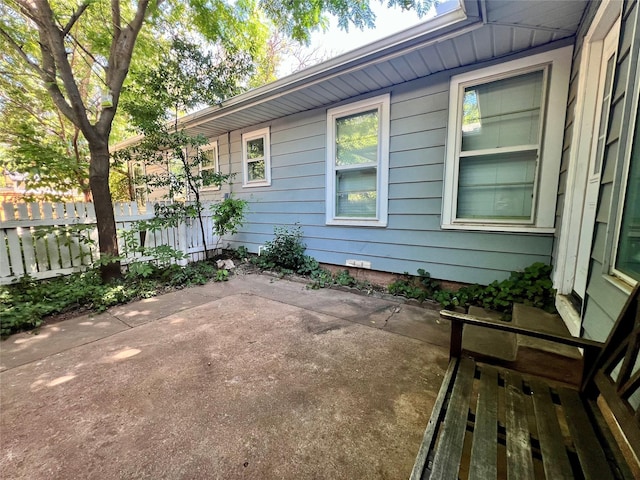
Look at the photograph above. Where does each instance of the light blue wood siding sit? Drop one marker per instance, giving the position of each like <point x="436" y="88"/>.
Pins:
<point x="605" y="297"/>
<point x="413" y="238"/>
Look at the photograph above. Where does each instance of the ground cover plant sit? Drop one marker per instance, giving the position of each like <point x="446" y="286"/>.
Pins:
<point x="27" y="303"/>
<point x="285" y="255"/>
<point x="532" y="286"/>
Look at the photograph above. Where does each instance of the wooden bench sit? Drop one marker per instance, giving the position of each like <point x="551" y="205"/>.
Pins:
<point x="490" y="422"/>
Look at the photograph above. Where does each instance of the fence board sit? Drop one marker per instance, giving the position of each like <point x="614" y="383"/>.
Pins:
<point x="13" y="242"/>
<point x="62" y="251"/>
<point x="93" y="233"/>
<point x="74" y="249"/>
<point x="51" y="239"/>
<point x="42" y="259"/>
<point x="5" y="268"/>
<point x="84" y="254"/>
<point x="26" y="239"/>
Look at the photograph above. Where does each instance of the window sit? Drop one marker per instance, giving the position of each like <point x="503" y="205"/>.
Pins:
<point x="627" y="263"/>
<point x="256" y="161"/>
<point x="209" y="164"/>
<point x="358" y="163"/>
<point x="138" y="184"/>
<point x="177" y="179"/>
<point x="503" y="150"/>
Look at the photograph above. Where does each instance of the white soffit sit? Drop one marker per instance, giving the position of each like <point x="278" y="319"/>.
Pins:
<point x="471" y="31"/>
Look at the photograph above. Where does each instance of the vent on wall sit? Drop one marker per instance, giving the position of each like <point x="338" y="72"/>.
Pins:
<point x="358" y="263"/>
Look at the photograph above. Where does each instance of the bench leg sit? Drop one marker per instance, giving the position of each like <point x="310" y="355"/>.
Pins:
<point x="455" y="346"/>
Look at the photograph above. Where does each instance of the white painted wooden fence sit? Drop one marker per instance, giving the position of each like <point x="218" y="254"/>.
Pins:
<point x="35" y="238"/>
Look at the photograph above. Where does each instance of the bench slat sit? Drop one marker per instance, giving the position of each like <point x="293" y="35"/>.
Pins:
<point x="484" y="451"/>
<point x="623" y="414"/>
<point x="554" y="452"/>
<point x="446" y="462"/>
<point x="432" y="427"/>
<point x="594" y="463"/>
<point x="519" y="460"/>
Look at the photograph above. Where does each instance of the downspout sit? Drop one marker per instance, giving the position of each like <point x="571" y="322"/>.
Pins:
<point x="483" y="11"/>
<point x="229" y="160"/>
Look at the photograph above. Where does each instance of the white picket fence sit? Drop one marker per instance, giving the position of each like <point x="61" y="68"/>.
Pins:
<point x="35" y="239"/>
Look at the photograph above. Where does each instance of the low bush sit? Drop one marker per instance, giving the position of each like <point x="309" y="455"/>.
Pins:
<point x="285" y="253"/>
<point x="532" y="286"/>
<point x="26" y="303"/>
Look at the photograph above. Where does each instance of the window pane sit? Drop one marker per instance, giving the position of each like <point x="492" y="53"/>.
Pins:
<point x="255" y="170"/>
<point x="356" y="193"/>
<point x="255" y="148"/>
<point x="209" y="158"/>
<point x="504" y="113"/>
<point x="628" y="261"/>
<point x="497" y="187"/>
<point x="357" y="139"/>
<point x="604" y="110"/>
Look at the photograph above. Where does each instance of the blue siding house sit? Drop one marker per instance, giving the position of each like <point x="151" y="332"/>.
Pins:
<point x="492" y="136"/>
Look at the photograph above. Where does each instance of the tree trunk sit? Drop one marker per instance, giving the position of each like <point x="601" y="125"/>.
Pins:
<point x="105" y="219"/>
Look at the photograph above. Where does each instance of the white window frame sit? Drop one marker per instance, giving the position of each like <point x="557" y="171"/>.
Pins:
<point x="621" y="195"/>
<point x="137" y="188"/>
<point x="246" y="137"/>
<point x="382" y="103"/>
<point x="216" y="164"/>
<point x="172" y="161"/>
<point x="558" y="64"/>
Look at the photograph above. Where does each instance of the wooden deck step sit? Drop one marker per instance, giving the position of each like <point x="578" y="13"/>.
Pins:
<point x="535" y="318"/>
<point x="489" y="343"/>
<point x="541" y="357"/>
<point x="528" y="355"/>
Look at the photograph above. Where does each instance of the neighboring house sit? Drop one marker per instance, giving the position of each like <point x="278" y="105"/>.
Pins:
<point x="13" y="190"/>
<point x="495" y="135"/>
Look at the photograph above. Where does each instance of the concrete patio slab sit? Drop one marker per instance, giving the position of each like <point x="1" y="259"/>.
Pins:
<point x="242" y="386"/>
<point x="55" y="338"/>
<point x="154" y="308"/>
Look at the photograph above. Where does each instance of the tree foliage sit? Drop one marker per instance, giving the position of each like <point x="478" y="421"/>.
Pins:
<point x="42" y="145"/>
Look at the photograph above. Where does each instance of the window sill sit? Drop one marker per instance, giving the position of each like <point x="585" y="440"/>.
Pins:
<point x="351" y="222"/>
<point x="498" y="228"/>
<point x="256" y="184"/>
<point x="570" y="316"/>
<point x="620" y="284"/>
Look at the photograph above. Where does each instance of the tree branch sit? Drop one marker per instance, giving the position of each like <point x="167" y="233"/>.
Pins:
<point x="116" y="18"/>
<point x="21" y="52"/>
<point x="74" y="18"/>
<point x="55" y="60"/>
<point x="122" y="44"/>
<point x="50" y="80"/>
<point x="27" y="10"/>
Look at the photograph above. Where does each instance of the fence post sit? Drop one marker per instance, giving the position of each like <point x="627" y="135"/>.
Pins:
<point x="183" y="243"/>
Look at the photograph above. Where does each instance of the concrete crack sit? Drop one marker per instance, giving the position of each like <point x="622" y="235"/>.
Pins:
<point x="394" y="310"/>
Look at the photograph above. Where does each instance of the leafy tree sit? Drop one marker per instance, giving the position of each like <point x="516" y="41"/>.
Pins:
<point x="42" y="32"/>
<point x="41" y="143"/>
<point x="186" y="77"/>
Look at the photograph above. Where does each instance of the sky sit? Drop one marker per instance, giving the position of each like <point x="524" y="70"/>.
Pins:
<point x="336" y="41"/>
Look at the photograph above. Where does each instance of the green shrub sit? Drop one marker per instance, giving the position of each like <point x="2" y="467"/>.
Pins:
<point x="407" y="287"/>
<point x="285" y="252"/>
<point x="228" y="215"/>
<point x="532" y="286"/>
<point x="241" y="253"/>
<point x="222" y="275"/>
<point x="24" y="304"/>
<point x="321" y="278"/>
<point x="344" y="278"/>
